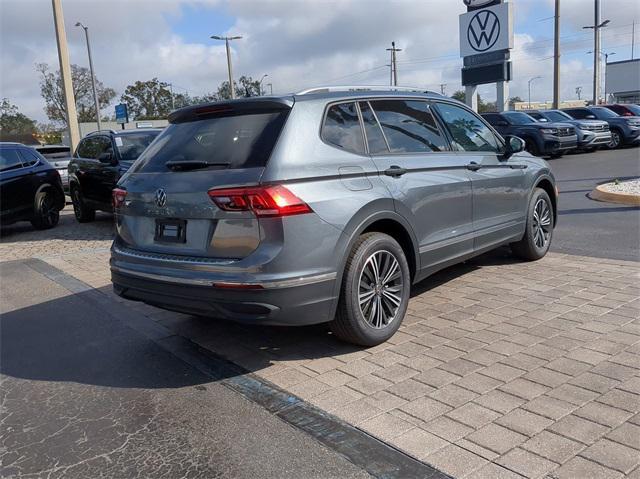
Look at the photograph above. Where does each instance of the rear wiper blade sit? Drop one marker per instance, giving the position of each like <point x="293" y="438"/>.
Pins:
<point x="193" y="164"/>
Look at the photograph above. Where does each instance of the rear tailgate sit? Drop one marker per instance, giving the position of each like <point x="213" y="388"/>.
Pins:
<point x="167" y="209"/>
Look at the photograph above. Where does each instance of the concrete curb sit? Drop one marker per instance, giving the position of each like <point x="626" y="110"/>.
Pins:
<point x="599" y="194"/>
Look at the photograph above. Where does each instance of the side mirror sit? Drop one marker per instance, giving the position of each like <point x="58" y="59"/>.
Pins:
<point x="107" y="158"/>
<point x="515" y="145"/>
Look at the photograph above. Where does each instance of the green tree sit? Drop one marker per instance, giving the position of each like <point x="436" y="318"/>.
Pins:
<point x="52" y="92"/>
<point x="459" y="95"/>
<point x="148" y="100"/>
<point x="14" y="123"/>
<point x="483" y="107"/>
<point x="244" y="87"/>
<point x="513" y="100"/>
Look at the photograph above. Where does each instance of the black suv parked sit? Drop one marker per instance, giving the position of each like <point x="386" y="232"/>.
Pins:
<point x="101" y="158"/>
<point x="541" y="139"/>
<point x="30" y="188"/>
<point x="625" y="130"/>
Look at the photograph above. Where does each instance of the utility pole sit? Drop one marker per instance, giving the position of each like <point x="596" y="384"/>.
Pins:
<point x="65" y="72"/>
<point x="173" y="104"/>
<point x="93" y="75"/>
<point x="633" y="37"/>
<point x="226" y="41"/>
<point x="579" y="92"/>
<point x="556" y="57"/>
<point x="270" y="85"/>
<point x="443" y="86"/>
<point x="394" y="65"/>
<point x="597" y="25"/>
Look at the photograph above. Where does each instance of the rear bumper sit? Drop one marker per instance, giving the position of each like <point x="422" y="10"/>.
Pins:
<point x="285" y="302"/>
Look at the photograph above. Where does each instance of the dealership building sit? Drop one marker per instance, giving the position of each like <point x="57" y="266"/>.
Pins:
<point x="623" y="81"/>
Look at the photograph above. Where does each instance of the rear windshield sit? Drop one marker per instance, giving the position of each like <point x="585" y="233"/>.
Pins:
<point x="236" y="141"/>
<point x="131" y="146"/>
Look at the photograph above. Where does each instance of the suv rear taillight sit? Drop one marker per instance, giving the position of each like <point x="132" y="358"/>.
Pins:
<point x="263" y="201"/>
<point x="118" y="196"/>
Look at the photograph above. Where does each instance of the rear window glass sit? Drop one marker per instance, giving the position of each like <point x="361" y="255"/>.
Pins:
<point x="131" y="146"/>
<point x="236" y="141"/>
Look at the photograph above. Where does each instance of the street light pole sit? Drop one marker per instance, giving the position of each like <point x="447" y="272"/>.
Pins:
<point x="261" y="80"/>
<point x="597" y="25"/>
<point x="93" y="76"/>
<point x="270" y="85"/>
<point x="226" y="41"/>
<point x="529" y="82"/>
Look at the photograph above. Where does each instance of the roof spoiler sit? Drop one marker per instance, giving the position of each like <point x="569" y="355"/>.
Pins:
<point x="230" y="107"/>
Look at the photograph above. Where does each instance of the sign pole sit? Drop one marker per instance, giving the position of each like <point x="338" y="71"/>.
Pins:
<point x="502" y="96"/>
<point x="471" y="96"/>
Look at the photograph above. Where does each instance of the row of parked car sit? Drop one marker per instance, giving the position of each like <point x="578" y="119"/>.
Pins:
<point x="552" y="133"/>
<point x="32" y="192"/>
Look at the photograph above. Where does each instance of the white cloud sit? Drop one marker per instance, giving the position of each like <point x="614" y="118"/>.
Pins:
<point x="298" y="43"/>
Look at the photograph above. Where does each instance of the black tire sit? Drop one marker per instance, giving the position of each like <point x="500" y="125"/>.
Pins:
<point x="45" y="212"/>
<point x="616" y="140"/>
<point x="555" y="156"/>
<point x="350" y="323"/>
<point x="540" y="221"/>
<point x="83" y="213"/>
<point x="531" y="147"/>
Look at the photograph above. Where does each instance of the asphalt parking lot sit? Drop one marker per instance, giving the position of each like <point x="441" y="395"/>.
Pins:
<point x="501" y="369"/>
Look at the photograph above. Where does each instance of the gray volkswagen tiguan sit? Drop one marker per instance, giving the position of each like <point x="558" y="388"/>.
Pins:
<point x="322" y="206"/>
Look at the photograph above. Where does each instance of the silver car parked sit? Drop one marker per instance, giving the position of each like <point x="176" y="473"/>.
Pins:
<point x="322" y="206"/>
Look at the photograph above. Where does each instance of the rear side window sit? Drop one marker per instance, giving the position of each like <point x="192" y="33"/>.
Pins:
<point x="232" y="141"/>
<point x="375" y="138"/>
<point x="409" y="126"/>
<point x="9" y="159"/>
<point x="91" y="148"/>
<point x="342" y="128"/>
<point x="468" y="132"/>
<point x="29" y="157"/>
<point x="131" y="146"/>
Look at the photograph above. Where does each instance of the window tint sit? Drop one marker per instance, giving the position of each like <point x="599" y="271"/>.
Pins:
<point x="603" y="113"/>
<point x="409" y="126"/>
<point x="579" y="114"/>
<point x="342" y="128"/>
<point x="375" y="138"/>
<point x="558" y="116"/>
<point x="239" y="140"/>
<point x="518" y="118"/>
<point x="469" y="133"/>
<point x="492" y="118"/>
<point x="89" y="148"/>
<point x="131" y="146"/>
<point x="29" y="157"/>
<point x="9" y="159"/>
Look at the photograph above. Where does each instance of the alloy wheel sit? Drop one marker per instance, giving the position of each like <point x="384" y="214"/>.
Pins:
<point x="541" y="223"/>
<point x="48" y="211"/>
<point x="615" y="140"/>
<point x="380" y="289"/>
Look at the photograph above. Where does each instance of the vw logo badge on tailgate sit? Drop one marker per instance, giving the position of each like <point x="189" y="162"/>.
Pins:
<point x="161" y="197"/>
<point x="483" y="31"/>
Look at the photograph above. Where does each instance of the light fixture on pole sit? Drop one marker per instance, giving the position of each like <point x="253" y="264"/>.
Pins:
<point x="529" y="82"/>
<point x="226" y="41"/>
<point x="93" y="76"/>
<point x="261" y="80"/>
<point x="597" y="25"/>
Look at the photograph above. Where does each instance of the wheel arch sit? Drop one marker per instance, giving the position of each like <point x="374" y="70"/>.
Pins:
<point x="48" y="186"/>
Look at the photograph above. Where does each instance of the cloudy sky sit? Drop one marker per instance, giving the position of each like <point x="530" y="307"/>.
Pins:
<point x="298" y="43"/>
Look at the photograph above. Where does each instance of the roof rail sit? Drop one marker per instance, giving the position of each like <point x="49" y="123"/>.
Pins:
<point x="101" y="131"/>
<point x="357" y="88"/>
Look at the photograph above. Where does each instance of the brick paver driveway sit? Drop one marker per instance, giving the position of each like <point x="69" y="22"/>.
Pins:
<point x="501" y="369"/>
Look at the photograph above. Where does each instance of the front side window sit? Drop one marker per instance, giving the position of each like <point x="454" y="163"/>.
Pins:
<point x="558" y="116"/>
<point x="603" y="113"/>
<point x="468" y="132"/>
<point x="579" y="114"/>
<point x="91" y="148"/>
<point x="9" y="159"/>
<point x="131" y="146"/>
<point x="517" y="118"/>
<point x="409" y="126"/>
<point x="342" y="128"/>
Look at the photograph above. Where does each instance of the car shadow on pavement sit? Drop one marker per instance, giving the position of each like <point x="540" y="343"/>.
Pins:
<point x="78" y="338"/>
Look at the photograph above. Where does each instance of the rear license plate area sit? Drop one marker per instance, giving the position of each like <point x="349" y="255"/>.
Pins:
<point x="171" y="231"/>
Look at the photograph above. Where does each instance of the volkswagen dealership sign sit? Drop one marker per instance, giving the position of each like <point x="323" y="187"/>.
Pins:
<point x="486" y="30"/>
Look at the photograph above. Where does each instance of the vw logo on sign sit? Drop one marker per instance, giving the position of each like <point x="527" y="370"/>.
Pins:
<point x="483" y="31"/>
<point x="161" y="197"/>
